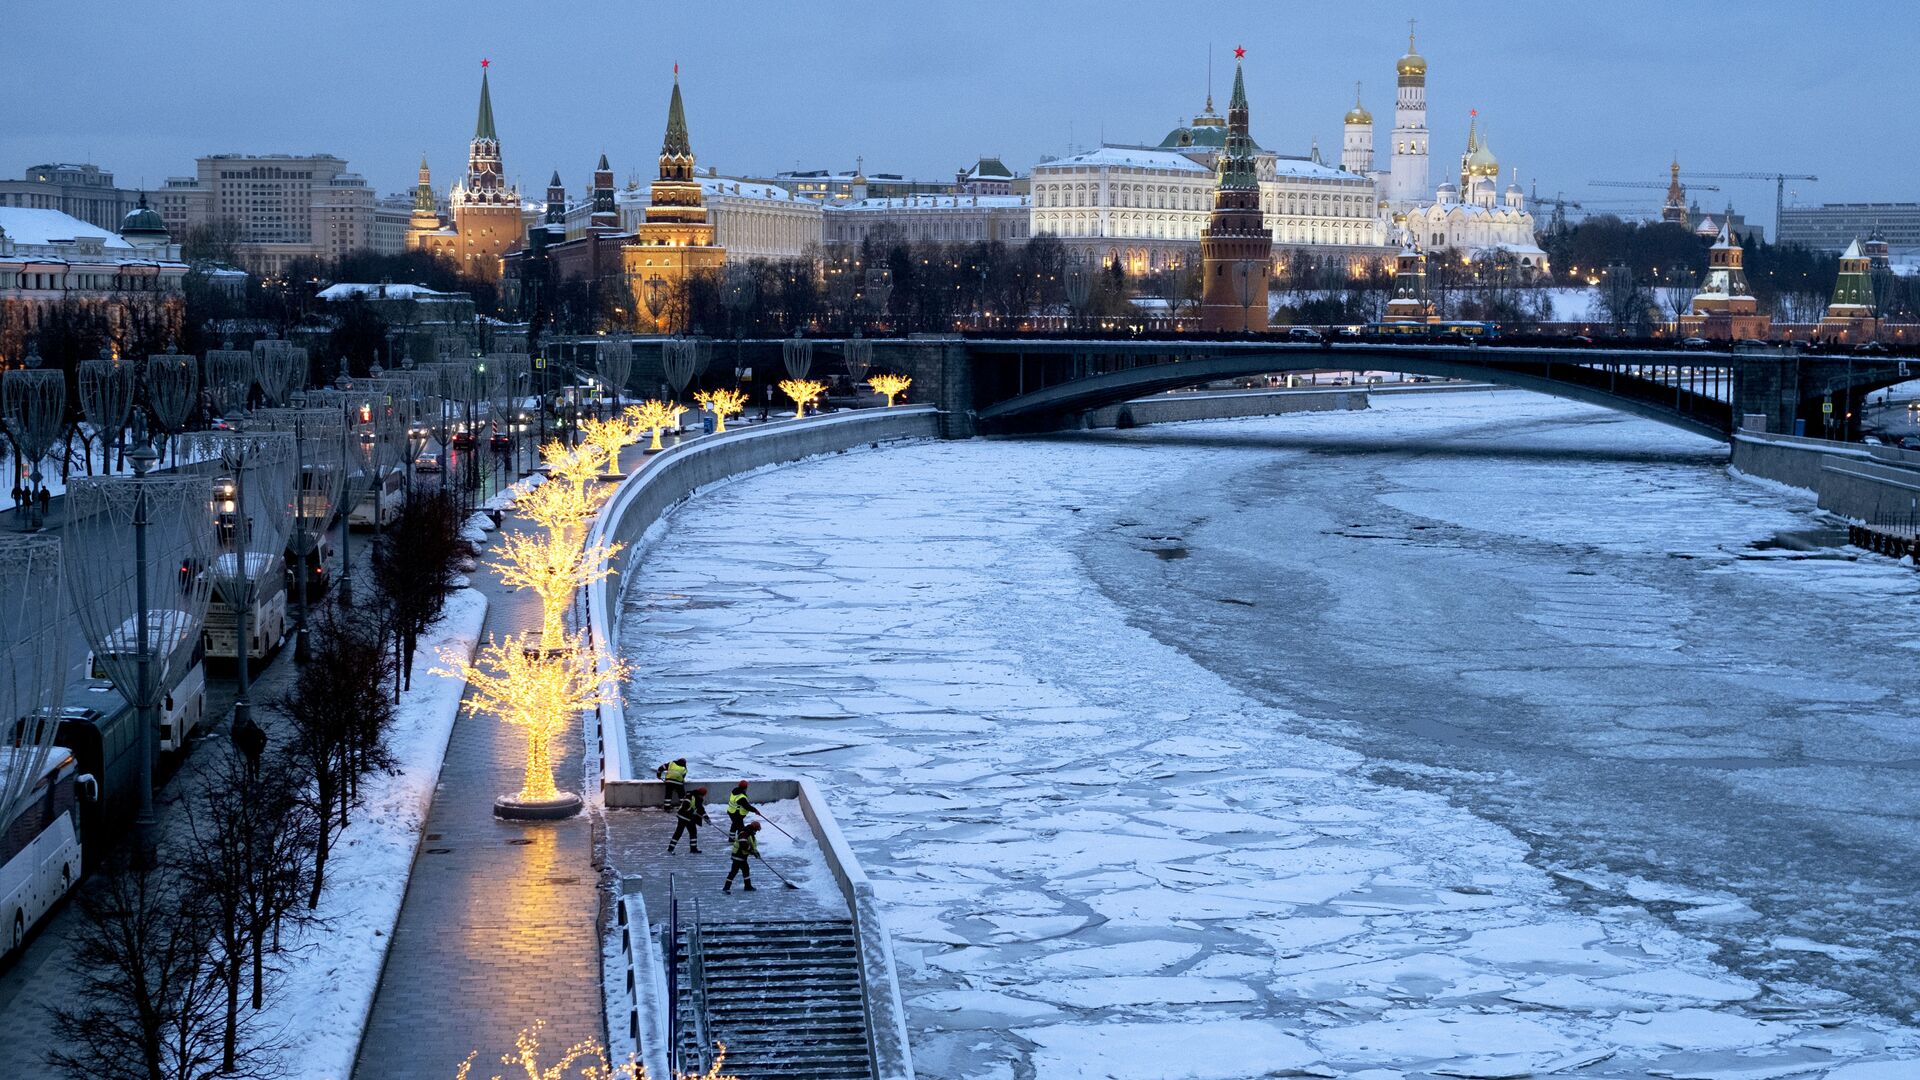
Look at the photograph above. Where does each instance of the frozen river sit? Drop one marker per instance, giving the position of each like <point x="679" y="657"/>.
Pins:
<point x="1471" y="735"/>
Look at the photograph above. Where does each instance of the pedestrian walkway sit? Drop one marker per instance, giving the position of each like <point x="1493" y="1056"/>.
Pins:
<point x="501" y="923"/>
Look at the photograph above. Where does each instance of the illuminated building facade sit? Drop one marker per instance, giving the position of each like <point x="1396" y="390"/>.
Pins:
<point x="1236" y="246"/>
<point x="675" y="242"/>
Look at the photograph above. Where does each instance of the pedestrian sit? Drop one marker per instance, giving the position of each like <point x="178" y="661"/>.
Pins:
<point x="250" y="739"/>
<point x="693" y="814"/>
<point x="673" y="774"/>
<point x="737" y="810"/>
<point x="745" y="846"/>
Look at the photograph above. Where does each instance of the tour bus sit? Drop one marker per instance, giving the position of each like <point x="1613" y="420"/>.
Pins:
<point x="316" y="565"/>
<point x="184" y="706"/>
<point x="39" y="845"/>
<point x="385" y="498"/>
<point x="102" y="730"/>
<point x="1440" y="331"/>
<point x="266" y="619"/>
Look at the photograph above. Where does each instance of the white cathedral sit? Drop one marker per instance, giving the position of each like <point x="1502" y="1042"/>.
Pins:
<point x="1472" y="218"/>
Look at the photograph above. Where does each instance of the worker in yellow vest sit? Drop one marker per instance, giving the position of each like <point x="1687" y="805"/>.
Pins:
<point x="737" y="810"/>
<point x="674" y="775"/>
<point x="744" y="847"/>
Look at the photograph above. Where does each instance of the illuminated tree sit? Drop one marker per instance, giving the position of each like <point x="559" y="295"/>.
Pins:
<point x="722" y="404"/>
<point x="539" y="690"/>
<point x="890" y="385"/>
<point x="574" y="464"/>
<point x="567" y="501"/>
<point x="587" y="1055"/>
<point x="803" y="392"/>
<point x="611" y="436"/>
<point x="554" y="565"/>
<point x="655" y="416"/>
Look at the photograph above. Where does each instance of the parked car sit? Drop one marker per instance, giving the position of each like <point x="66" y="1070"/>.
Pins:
<point x="1303" y="333"/>
<point x="1872" y="348"/>
<point x="1911" y="442"/>
<point x="1872" y="440"/>
<point x="1695" y="343"/>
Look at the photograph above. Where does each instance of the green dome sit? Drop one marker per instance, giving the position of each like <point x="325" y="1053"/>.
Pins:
<point x="143" y="223"/>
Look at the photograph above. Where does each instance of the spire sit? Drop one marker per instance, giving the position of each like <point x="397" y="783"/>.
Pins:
<point x="483" y="124"/>
<point x="425" y="176"/>
<point x="603" y="166"/>
<point x="1239" y="99"/>
<point x="676" y="142"/>
<point x="555" y="182"/>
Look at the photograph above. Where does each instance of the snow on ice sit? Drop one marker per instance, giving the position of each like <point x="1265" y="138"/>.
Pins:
<point x="1102" y="859"/>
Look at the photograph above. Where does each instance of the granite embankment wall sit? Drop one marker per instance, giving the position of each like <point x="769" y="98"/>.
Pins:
<point x="1865" y="484"/>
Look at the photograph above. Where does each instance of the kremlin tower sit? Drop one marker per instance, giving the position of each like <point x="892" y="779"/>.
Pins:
<point x="675" y="242"/>
<point x="1725" y="308"/>
<point x="1236" y="246"/>
<point x="1850" y="315"/>
<point x="486" y="210"/>
<point x="1409" y="303"/>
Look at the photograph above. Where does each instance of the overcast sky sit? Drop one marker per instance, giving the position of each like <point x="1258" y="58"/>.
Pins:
<point x="1569" y="92"/>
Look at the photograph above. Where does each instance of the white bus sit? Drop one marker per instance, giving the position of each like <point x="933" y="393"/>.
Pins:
<point x="184" y="706"/>
<point x="39" y="846"/>
<point x="267" y="619"/>
<point x="385" y="498"/>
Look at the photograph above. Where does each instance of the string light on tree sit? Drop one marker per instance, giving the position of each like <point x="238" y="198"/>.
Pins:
<point x="803" y="392"/>
<point x="554" y="567"/>
<point x="656" y="416"/>
<point x="722" y="404"/>
<point x="539" y="690"/>
<point x="588" y="1056"/>
<point x="610" y="436"/>
<point x="890" y="385"/>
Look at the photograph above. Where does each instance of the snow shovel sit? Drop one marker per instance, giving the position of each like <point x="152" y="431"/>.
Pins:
<point x="777" y="873"/>
<point x="776" y="825"/>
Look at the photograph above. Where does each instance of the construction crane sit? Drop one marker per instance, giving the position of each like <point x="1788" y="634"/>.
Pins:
<point x="1779" y="188"/>
<point x="1647" y="184"/>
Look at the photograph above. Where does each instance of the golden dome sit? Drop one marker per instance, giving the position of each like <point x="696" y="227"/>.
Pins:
<point x="1481" y="162"/>
<point x="1359" y="114"/>
<point x="1412" y="63"/>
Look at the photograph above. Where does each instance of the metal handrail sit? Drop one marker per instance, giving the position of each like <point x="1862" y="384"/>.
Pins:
<point x="697" y="989"/>
<point x="673" y="976"/>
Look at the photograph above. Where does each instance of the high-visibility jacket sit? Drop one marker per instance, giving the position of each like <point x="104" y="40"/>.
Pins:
<point x="674" y="771"/>
<point x="745" y="845"/>
<point x="737" y="805"/>
<point x="693" y="807"/>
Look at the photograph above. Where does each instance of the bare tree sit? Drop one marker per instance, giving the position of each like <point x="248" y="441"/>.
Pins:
<point x="248" y="861"/>
<point x="414" y="565"/>
<point x="147" y="1004"/>
<point x="339" y="712"/>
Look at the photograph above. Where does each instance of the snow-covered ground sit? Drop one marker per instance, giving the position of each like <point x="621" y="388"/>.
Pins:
<point x="321" y="999"/>
<point x="1400" y="743"/>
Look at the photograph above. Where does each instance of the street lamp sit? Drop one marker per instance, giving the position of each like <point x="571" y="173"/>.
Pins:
<point x="141" y="606"/>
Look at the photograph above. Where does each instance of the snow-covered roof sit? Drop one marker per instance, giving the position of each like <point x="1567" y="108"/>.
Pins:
<point x="713" y="187"/>
<point x="1307" y="167"/>
<point x="935" y="202"/>
<point x="360" y="291"/>
<point x="26" y="225"/>
<point x="1136" y="157"/>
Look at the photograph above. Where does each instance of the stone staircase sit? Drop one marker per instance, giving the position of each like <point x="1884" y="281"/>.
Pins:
<point x="784" y="997"/>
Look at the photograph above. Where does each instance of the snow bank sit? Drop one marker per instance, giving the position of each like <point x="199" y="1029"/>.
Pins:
<point x="322" y="1000"/>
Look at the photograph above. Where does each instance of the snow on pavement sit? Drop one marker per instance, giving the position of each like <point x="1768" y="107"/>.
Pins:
<point x="1099" y="859"/>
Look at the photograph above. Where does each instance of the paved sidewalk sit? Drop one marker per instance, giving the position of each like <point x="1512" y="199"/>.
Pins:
<point x="500" y="926"/>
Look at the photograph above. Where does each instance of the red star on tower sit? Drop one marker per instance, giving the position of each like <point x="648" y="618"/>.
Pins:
<point x="484" y="61"/>
<point x="1239" y="53"/>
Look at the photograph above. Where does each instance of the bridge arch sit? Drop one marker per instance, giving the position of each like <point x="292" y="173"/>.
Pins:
<point x="1699" y="413"/>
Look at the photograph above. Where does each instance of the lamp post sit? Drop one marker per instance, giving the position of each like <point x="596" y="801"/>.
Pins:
<point x="141" y="644"/>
